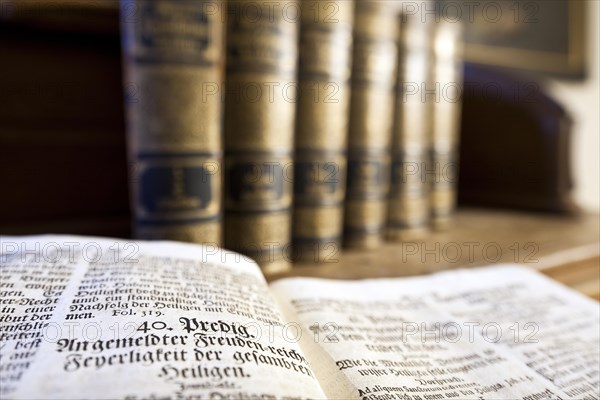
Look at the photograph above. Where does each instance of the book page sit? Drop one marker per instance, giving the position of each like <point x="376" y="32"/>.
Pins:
<point x="447" y="336"/>
<point x="550" y="328"/>
<point x="108" y="319"/>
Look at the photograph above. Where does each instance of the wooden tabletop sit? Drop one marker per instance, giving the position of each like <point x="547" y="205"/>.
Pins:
<point x="566" y="248"/>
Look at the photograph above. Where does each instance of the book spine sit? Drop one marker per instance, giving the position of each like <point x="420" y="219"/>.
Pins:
<point x="322" y="128"/>
<point x="446" y="115"/>
<point x="375" y="56"/>
<point x="260" y="103"/>
<point x="409" y="208"/>
<point x="173" y="69"/>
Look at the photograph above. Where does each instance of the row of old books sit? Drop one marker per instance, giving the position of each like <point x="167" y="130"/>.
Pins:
<point x="282" y="130"/>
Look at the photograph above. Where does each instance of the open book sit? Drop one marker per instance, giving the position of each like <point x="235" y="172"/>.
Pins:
<point x="108" y="319"/>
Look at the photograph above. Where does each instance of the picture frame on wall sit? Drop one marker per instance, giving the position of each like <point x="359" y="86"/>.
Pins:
<point x="539" y="37"/>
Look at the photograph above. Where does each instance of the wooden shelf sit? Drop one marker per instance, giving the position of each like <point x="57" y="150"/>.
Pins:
<point x="567" y="248"/>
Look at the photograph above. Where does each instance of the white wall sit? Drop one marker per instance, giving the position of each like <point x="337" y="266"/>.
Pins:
<point x="582" y="99"/>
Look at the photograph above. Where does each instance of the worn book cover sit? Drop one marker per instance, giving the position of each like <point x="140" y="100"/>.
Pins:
<point x="260" y="106"/>
<point x="409" y="208"/>
<point x="173" y="59"/>
<point x="375" y="58"/>
<point x="448" y="77"/>
<point x="322" y="129"/>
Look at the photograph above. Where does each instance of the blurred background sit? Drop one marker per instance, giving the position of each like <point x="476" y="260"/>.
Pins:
<point x="62" y="129"/>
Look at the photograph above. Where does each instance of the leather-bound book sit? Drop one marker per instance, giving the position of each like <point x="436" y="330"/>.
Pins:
<point x="173" y="69"/>
<point x="447" y="75"/>
<point x="260" y="104"/>
<point x="322" y="128"/>
<point x="375" y="57"/>
<point x="409" y="209"/>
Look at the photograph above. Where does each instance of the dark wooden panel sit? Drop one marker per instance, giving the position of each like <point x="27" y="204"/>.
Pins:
<point x="62" y="132"/>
